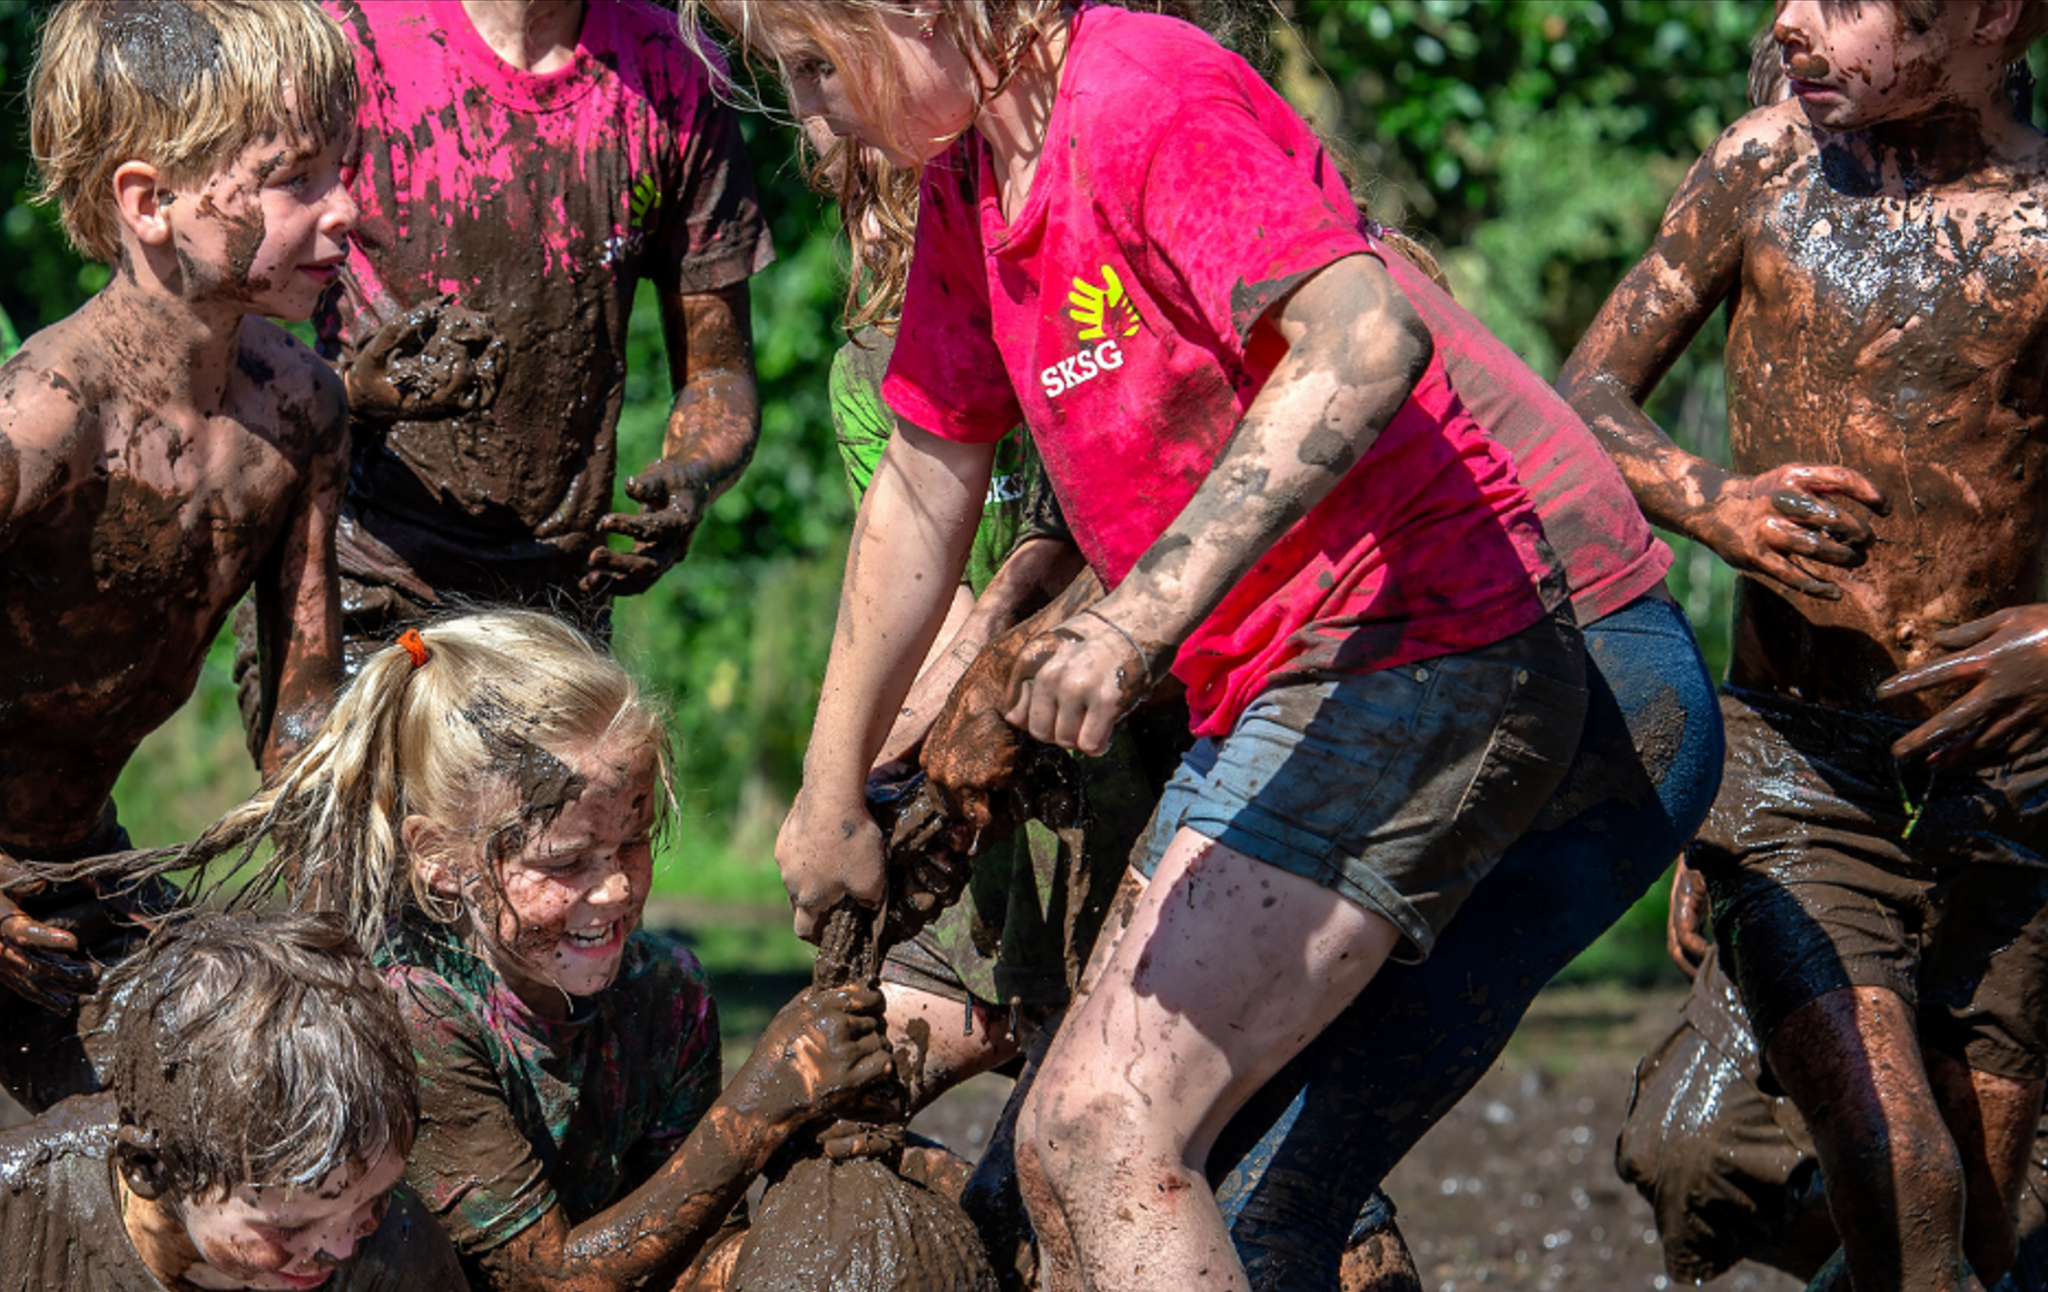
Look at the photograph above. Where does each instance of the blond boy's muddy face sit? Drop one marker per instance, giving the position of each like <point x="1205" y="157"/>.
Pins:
<point x="269" y="230"/>
<point x="274" y="1238"/>
<point x="578" y="886"/>
<point x="1858" y="63"/>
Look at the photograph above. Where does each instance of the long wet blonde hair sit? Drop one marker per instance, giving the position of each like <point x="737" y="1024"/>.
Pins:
<point x="476" y="736"/>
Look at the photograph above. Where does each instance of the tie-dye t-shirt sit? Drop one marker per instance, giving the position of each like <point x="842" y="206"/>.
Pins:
<point x="1122" y="316"/>
<point x="539" y="202"/>
<point x="519" y="1113"/>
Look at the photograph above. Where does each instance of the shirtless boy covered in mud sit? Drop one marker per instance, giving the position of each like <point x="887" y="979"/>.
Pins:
<point x="161" y="451"/>
<point x="1876" y="857"/>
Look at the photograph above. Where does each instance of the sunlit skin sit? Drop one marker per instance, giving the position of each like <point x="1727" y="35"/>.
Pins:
<point x="1877" y="240"/>
<point x="161" y="453"/>
<point x="1355" y="350"/>
<point x="555" y="928"/>
<point x="273" y="1238"/>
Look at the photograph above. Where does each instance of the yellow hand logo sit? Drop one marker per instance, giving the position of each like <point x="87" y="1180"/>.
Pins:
<point x="1105" y="310"/>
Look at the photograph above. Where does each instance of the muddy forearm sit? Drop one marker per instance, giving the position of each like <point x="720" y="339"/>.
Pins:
<point x="1356" y="350"/>
<point x="650" y="1237"/>
<point x="1674" y="488"/>
<point x="302" y="608"/>
<point x="715" y="422"/>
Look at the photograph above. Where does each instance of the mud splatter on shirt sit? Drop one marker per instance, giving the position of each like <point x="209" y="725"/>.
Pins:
<point x="540" y="202"/>
<point x="520" y="1113"/>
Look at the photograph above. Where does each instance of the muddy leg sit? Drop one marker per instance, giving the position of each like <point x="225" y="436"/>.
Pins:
<point x="1227" y="968"/>
<point x="1851" y="1063"/>
<point x="934" y="1051"/>
<point x="1993" y="1119"/>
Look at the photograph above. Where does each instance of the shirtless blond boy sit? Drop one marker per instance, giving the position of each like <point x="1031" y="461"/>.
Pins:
<point x="161" y="451"/>
<point x="1879" y="851"/>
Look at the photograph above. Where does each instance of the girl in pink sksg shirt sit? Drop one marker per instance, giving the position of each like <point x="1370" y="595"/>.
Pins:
<point x="1129" y="242"/>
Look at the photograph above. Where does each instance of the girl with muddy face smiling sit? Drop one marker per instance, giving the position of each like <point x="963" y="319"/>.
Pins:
<point x="482" y="806"/>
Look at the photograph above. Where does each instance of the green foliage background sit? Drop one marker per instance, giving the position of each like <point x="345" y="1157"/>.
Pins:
<point x="1532" y="143"/>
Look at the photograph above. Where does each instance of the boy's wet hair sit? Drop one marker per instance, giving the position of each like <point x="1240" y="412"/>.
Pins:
<point x="260" y="1050"/>
<point x="184" y="85"/>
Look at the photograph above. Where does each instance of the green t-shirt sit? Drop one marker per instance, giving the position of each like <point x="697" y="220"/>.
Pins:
<point x="1019" y="503"/>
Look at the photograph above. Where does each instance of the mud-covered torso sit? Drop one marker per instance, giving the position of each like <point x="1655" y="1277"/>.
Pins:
<point x="1898" y="327"/>
<point x="536" y="203"/>
<point x="126" y="556"/>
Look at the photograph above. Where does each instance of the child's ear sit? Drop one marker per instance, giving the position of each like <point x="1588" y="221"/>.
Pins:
<point x="141" y="1169"/>
<point x="1996" y="20"/>
<point x="144" y="202"/>
<point x="426" y="845"/>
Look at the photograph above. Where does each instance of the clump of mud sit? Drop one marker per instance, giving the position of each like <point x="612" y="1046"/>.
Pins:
<point x="857" y="1225"/>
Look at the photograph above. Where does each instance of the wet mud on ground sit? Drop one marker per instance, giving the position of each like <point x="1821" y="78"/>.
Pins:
<point x="1515" y="1189"/>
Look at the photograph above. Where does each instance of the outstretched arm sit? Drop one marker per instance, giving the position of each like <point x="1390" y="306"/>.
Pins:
<point x="818" y="1053"/>
<point x="298" y="600"/>
<point x="713" y="427"/>
<point x="1356" y="348"/>
<point x="1765" y="524"/>
<point x="910" y="543"/>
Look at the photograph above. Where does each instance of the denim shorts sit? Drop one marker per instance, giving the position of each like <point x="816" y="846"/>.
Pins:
<point x="1400" y="788"/>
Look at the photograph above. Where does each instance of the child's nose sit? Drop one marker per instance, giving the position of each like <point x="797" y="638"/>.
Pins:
<point x="1792" y="22"/>
<point x="615" y="889"/>
<point x="342" y="212"/>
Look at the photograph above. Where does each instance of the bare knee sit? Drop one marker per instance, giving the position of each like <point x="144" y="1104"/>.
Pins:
<point x="1066" y="1137"/>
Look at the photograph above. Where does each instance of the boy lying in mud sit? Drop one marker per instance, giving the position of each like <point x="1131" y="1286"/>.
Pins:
<point x="481" y="805"/>
<point x="161" y="451"/>
<point x="1875" y="857"/>
<point x="259" y="1111"/>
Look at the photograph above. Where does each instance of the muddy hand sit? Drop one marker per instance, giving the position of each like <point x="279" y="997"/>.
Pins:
<point x="818" y="1053"/>
<point x="1685" y="924"/>
<point x="1074" y="683"/>
<point x="36" y="961"/>
<point x="827" y="852"/>
<point x="1770" y="524"/>
<point x="972" y="750"/>
<point x="445" y="345"/>
<point x="674" y="501"/>
<point x="843" y="1140"/>
<point x="2003" y="658"/>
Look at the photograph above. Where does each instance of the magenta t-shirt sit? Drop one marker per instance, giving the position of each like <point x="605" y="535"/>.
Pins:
<point x="541" y="202"/>
<point x="1120" y="317"/>
<point x="1598" y="533"/>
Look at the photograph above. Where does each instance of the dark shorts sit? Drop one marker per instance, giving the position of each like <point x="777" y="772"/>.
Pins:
<point x="1032" y="910"/>
<point x="43" y="1054"/>
<point x="1729" y="1169"/>
<point x="1399" y="788"/>
<point x="1297" y="1171"/>
<point x="1830" y="866"/>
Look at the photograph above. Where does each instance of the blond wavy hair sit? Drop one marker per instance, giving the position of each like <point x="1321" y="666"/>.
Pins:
<point x="477" y="739"/>
<point x="184" y="85"/>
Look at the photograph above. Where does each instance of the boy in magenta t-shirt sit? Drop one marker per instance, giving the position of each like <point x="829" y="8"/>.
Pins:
<point x="524" y="167"/>
<point x="1127" y="240"/>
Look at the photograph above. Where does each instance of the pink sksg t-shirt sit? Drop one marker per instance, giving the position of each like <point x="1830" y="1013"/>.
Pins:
<point x="1119" y="316"/>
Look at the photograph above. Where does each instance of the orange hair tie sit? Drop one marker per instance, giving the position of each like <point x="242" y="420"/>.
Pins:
<point x="415" y="646"/>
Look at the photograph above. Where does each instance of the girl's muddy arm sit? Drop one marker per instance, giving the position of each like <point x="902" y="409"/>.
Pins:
<point x="1356" y="348"/>
<point x="1756" y="523"/>
<point x="910" y="542"/>
<point x="713" y="428"/>
<point x="821" y="1051"/>
<point x="298" y="603"/>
